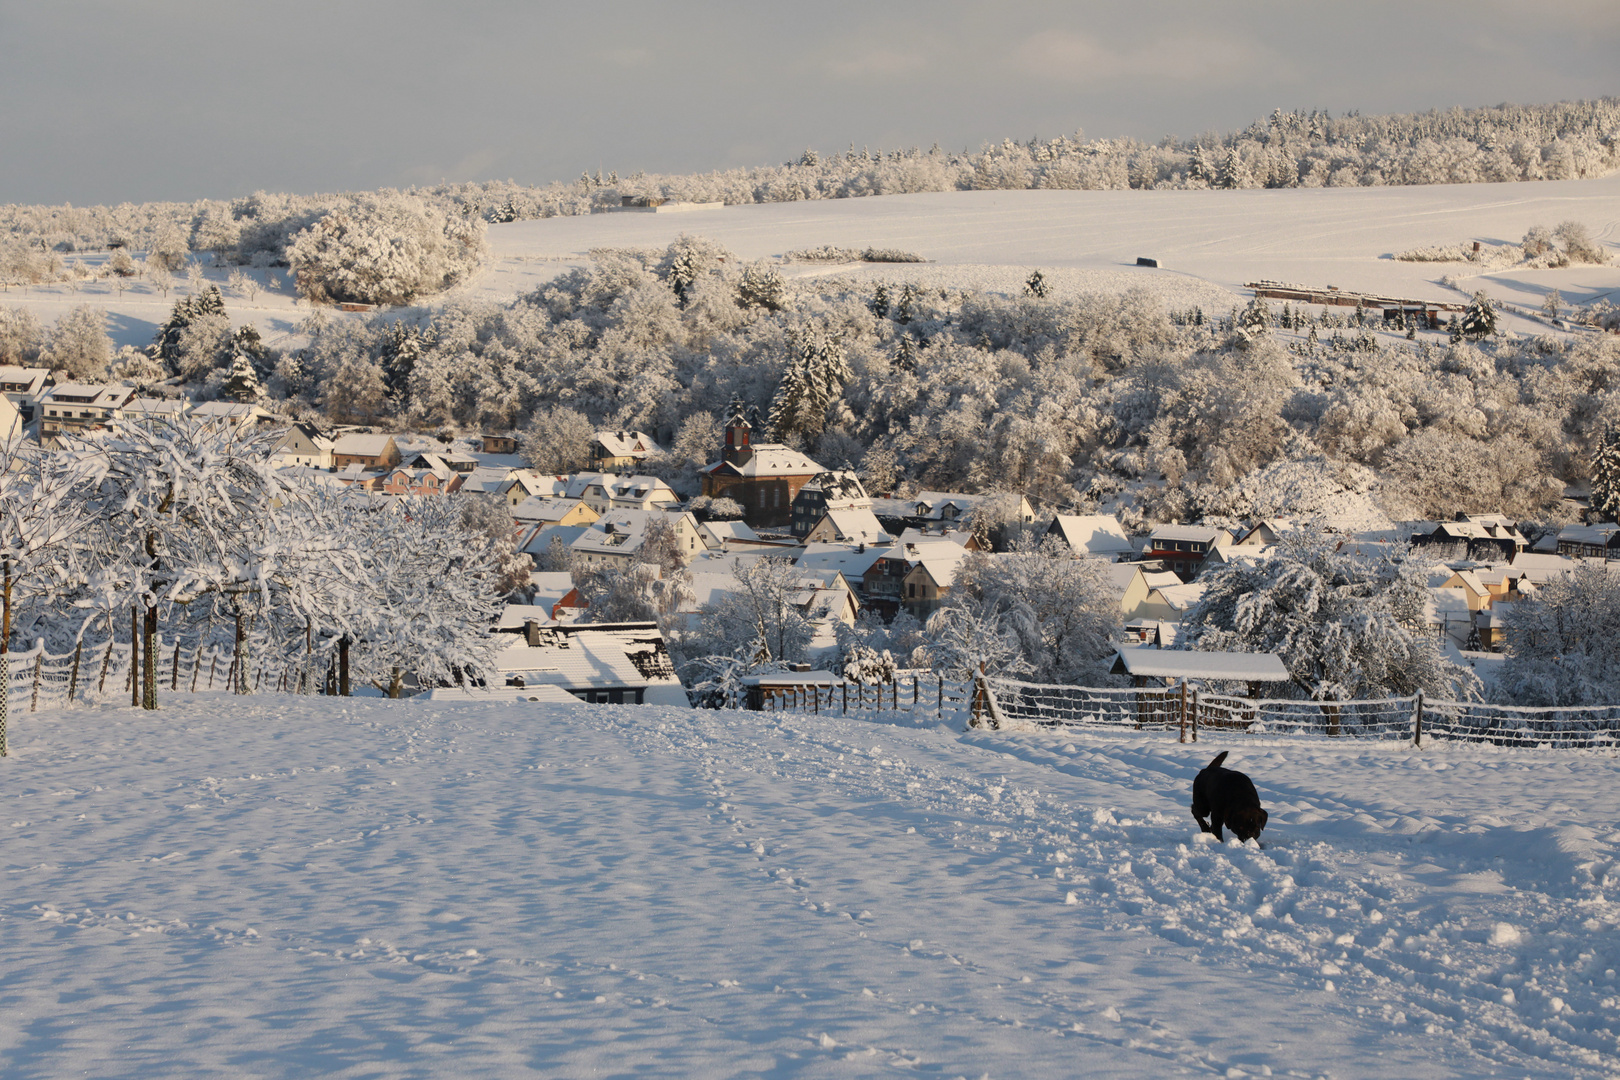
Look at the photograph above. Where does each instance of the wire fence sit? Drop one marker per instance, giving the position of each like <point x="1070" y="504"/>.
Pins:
<point x="918" y="694"/>
<point x="1188" y="710"/>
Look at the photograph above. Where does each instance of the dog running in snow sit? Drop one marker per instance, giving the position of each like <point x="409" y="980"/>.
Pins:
<point x="1222" y="796"/>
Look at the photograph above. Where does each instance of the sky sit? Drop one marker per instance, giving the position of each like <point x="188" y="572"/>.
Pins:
<point x="110" y="101"/>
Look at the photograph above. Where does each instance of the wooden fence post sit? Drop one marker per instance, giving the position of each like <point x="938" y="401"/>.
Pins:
<point x="196" y="665"/>
<point x="939" y="699"/>
<point x="134" y="655"/>
<point x="1417" y="721"/>
<point x="1183" y="737"/>
<point x="73" y="678"/>
<point x="1195" y="714"/>
<point x="39" y="662"/>
<point x="916" y="689"/>
<point x="845" y="711"/>
<point x="174" y="673"/>
<point x="106" y="662"/>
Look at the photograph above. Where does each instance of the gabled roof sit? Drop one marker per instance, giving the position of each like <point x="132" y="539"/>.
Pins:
<point x="100" y="395"/>
<point x="1092" y="534"/>
<point x="636" y="444"/>
<point x="853" y="525"/>
<point x="768" y="459"/>
<point x="850" y="560"/>
<point x="1198" y="534"/>
<point x="836" y="486"/>
<point x="536" y="508"/>
<point x="940" y="561"/>
<point x="33" y="378"/>
<point x="357" y="445"/>
<point x="596" y="656"/>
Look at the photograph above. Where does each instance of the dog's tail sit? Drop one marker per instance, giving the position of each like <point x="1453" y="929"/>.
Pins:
<point x="1220" y="757"/>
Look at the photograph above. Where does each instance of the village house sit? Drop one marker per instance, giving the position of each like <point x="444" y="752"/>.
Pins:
<point x="1183" y="548"/>
<point x="848" y="525"/>
<point x="74" y="408"/>
<point x="303" y="445"/>
<point x="933" y="509"/>
<point x="641" y="493"/>
<point x="23" y="387"/>
<point x="1601" y="541"/>
<point x="931" y="577"/>
<point x="730" y="535"/>
<point x="603" y="663"/>
<point x="239" y="413"/>
<point x="764" y="478"/>
<point x="1482" y="536"/>
<point x="11" y="421"/>
<point x="1097" y="535"/>
<point x="615" y="450"/>
<point x="150" y="411"/>
<point x="462" y="464"/>
<point x="616" y="537"/>
<point x="371" y="452"/>
<point x="833" y="490"/>
<point x="960" y="537"/>
<point x="432" y="481"/>
<point x="551" y="511"/>
<point x="498" y="444"/>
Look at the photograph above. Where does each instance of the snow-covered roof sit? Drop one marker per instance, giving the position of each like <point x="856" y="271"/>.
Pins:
<point x="1180" y="597"/>
<point x="768" y="459"/>
<point x="579" y="656"/>
<point x="855" y="525"/>
<point x="31" y="380"/>
<point x="1092" y="534"/>
<point x="719" y="533"/>
<point x="356" y="445"/>
<point x="229" y="410"/>
<point x="838" y="486"/>
<point x="545" y="693"/>
<point x="641" y="489"/>
<point x="101" y="395"/>
<point x="1149" y="662"/>
<point x="537" y="508"/>
<point x="146" y="406"/>
<point x="851" y="561"/>
<point x="636" y="444"/>
<point x="1598" y="535"/>
<point x="620" y="531"/>
<point x="939" y="559"/>
<point x="1198" y="534"/>
<point x="540" y="542"/>
<point x="960" y="537"/>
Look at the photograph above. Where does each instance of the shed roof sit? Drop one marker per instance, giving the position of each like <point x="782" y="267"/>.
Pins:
<point x="1193" y="664"/>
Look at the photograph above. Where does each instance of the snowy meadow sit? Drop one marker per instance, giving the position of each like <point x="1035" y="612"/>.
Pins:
<point x="292" y="886"/>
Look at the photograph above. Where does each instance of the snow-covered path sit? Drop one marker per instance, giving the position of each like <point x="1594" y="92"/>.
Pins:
<point x="294" y="887"/>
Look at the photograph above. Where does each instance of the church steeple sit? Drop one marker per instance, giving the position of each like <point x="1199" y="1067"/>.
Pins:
<point x="738" y="433"/>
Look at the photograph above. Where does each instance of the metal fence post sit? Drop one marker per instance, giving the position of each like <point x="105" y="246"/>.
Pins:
<point x="845" y="710"/>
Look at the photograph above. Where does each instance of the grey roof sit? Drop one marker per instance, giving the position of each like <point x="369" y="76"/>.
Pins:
<point x="1191" y="664"/>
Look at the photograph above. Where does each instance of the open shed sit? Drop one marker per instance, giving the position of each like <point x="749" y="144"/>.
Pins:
<point x="1143" y="662"/>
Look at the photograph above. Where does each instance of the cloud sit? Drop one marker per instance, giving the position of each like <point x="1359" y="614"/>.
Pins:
<point x="1080" y="59"/>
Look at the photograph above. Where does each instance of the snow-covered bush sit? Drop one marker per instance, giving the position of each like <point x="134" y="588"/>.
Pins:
<point x="1564" y="641"/>
<point x="385" y="249"/>
<point x="1346" y="624"/>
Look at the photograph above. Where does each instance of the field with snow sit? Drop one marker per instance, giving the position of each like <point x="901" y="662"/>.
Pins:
<point x="291" y="887"/>
<point x="1208" y="244"/>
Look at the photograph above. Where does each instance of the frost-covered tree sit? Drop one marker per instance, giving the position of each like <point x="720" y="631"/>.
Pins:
<point x="1479" y="320"/>
<point x="241" y="381"/>
<point x="757" y="621"/>
<point x="557" y="440"/>
<point x="385" y="248"/>
<point x="1347" y="625"/>
<point x="1059" y="608"/>
<point x="762" y="287"/>
<point x="1564" y="641"/>
<point x="1606" y="476"/>
<point x="79" y="346"/>
<point x="1035" y="285"/>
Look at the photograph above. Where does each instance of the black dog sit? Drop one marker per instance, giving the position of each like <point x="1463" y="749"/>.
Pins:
<point x="1224" y="797"/>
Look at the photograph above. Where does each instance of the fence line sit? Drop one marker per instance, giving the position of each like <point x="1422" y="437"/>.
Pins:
<point x="911" y="693"/>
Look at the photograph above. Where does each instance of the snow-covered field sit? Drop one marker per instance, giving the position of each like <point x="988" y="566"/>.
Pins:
<point x="294" y="887"/>
<point x="1208" y="244"/>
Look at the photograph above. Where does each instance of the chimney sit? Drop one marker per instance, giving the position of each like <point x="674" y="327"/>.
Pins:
<point x="531" y="633"/>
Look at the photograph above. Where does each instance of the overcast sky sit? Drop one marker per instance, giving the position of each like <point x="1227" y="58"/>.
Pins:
<point x="108" y="101"/>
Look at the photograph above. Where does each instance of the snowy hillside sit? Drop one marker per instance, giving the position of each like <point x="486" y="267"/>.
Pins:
<point x="1208" y="244"/>
<point x="296" y="887"/>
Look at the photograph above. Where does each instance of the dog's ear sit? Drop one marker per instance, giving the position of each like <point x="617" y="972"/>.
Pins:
<point x="1264" y="817"/>
<point x="1220" y="757"/>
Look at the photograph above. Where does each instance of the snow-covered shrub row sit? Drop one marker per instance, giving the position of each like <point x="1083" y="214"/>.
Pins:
<point x="828" y="253"/>
<point x="1069" y="400"/>
<point x="1541" y="248"/>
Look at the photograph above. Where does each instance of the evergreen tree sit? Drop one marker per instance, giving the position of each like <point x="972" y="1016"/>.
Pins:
<point x="1606" y="476"/>
<point x="242" y="384"/>
<point x="880" y="301"/>
<point x="1256" y="318"/>
<point x="1479" y="321"/>
<point x="812" y="381"/>
<point x="1234" y="173"/>
<point x="907" y="308"/>
<point x="905" y="356"/>
<point x="1454" y="330"/>
<point x="1036" y="286"/>
<point x="401" y="350"/>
